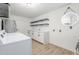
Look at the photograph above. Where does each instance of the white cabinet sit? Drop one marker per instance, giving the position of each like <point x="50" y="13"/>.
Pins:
<point x="35" y="35"/>
<point x="4" y="10"/>
<point x="46" y="37"/>
<point x="39" y="30"/>
<point x="42" y="37"/>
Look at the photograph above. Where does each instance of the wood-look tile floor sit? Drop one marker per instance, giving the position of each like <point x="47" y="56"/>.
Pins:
<point x="48" y="49"/>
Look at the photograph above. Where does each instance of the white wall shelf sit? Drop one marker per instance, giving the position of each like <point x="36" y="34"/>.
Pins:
<point x="45" y="19"/>
<point x="40" y="24"/>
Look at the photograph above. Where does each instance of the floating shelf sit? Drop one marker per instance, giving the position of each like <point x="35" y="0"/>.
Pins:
<point x="40" y="24"/>
<point x="40" y="20"/>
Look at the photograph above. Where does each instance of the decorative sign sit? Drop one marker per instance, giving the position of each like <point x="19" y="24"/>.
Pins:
<point x="70" y="18"/>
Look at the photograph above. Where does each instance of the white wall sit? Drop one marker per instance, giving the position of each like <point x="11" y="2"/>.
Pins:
<point x="68" y="37"/>
<point x="23" y="23"/>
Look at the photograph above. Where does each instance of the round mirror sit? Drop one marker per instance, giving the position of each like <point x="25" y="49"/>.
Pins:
<point x="70" y="18"/>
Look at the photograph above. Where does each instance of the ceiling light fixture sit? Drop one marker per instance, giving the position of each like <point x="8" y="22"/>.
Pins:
<point x="31" y="4"/>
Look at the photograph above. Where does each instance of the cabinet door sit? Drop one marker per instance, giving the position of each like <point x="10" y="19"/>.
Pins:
<point x="4" y="10"/>
<point x="1" y="12"/>
<point x="41" y="37"/>
<point x="35" y="36"/>
<point x="32" y="34"/>
<point x="46" y="37"/>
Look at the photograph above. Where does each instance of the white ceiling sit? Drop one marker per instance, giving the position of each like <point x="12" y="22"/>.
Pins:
<point x="22" y="9"/>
